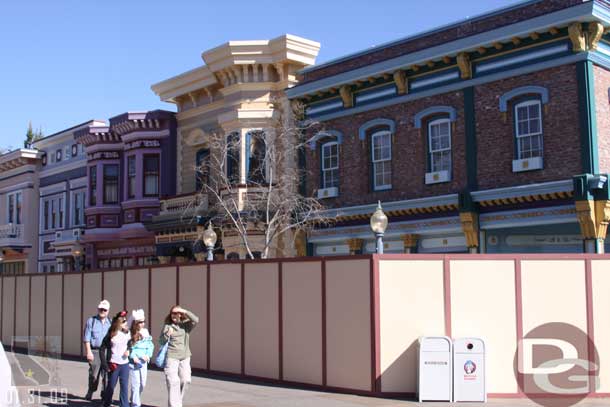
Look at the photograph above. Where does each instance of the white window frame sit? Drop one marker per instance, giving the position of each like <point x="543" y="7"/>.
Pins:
<point x="381" y="133"/>
<point x="54" y="204"/>
<point x="324" y="169"/>
<point x="8" y="207"/>
<point x="83" y="196"/>
<point x="442" y="150"/>
<point x="518" y="136"/>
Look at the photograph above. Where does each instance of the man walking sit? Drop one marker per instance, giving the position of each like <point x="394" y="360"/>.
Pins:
<point x="96" y="329"/>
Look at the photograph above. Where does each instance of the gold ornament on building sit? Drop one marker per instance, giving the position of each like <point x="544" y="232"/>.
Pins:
<point x="596" y="30"/>
<point x="402" y="84"/>
<point x="470" y="227"/>
<point x="346" y="95"/>
<point x="577" y="36"/>
<point x="463" y="61"/>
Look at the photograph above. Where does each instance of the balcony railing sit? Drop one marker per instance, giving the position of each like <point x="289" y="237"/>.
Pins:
<point x="11" y="234"/>
<point x="182" y="204"/>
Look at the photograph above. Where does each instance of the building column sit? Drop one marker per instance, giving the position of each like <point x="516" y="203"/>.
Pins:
<point x="355" y="246"/>
<point x="470" y="227"/>
<point x="410" y="242"/>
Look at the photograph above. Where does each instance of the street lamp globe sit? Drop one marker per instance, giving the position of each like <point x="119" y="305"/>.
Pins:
<point x="209" y="239"/>
<point x="77" y="250"/>
<point x="379" y="220"/>
<point x="209" y="236"/>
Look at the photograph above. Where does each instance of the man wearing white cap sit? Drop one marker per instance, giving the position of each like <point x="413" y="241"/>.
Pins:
<point x="96" y="329"/>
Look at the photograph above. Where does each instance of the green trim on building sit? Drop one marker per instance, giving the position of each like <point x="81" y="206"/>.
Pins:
<point x="587" y="119"/>
<point x="470" y="132"/>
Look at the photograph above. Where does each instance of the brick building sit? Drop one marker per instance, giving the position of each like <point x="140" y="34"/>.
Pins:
<point x="488" y="135"/>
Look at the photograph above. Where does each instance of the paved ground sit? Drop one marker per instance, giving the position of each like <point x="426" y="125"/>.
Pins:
<point x="68" y="386"/>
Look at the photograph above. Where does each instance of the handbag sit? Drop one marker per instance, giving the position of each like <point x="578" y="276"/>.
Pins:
<point x="162" y="356"/>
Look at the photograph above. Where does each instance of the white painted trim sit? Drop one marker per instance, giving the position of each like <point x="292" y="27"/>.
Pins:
<point x="20" y="186"/>
<point x="53" y="189"/>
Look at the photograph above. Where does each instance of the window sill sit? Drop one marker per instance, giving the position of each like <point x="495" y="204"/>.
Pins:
<point x="382" y="188"/>
<point x="527" y="164"/>
<point x="331" y="192"/>
<point x="437" y="177"/>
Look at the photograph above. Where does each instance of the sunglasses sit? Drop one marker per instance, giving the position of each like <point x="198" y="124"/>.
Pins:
<point x="102" y="310"/>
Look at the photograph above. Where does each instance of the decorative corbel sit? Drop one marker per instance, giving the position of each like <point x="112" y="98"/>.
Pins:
<point x="193" y="97"/>
<point x="402" y="84"/>
<point x="585" y="213"/>
<point x="577" y="37"/>
<point x="602" y="218"/>
<point x="463" y="61"/>
<point x="346" y="95"/>
<point x="410" y="242"/>
<point x="470" y="227"/>
<point x="355" y="245"/>
<point x="596" y="30"/>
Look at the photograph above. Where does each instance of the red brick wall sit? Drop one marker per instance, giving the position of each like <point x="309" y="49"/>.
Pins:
<point x="602" y="107"/>
<point x="408" y="155"/>
<point x="495" y="143"/>
<point x="561" y="140"/>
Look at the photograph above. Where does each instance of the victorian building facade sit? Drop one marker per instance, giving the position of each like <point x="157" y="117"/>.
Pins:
<point x="62" y="186"/>
<point x="489" y="135"/>
<point x="236" y="94"/>
<point x="130" y="164"/>
<point x="19" y="211"/>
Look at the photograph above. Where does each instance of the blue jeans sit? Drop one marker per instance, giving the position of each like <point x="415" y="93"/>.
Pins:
<point x="121" y="373"/>
<point x="138" y="382"/>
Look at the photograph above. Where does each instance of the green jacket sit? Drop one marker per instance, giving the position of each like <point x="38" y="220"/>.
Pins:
<point x="179" y="340"/>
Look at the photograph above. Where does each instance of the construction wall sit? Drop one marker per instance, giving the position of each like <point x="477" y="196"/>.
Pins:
<point x="343" y="323"/>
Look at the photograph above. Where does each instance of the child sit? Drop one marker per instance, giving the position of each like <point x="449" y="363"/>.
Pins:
<point x="140" y="351"/>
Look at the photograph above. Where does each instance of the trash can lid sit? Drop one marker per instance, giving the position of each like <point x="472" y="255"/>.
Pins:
<point x="435" y="344"/>
<point x="469" y="345"/>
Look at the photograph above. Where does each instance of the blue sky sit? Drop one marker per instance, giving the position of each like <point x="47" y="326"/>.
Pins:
<point x="63" y="62"/>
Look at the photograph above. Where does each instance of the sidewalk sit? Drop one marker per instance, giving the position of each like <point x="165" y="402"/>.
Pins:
<point x="69" y="379"/>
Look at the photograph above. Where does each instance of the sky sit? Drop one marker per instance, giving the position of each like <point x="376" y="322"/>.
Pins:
<point x="63" y="62"/>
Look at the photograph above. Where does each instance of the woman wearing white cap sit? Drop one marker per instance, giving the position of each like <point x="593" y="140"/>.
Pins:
<point x="140" y="351"/>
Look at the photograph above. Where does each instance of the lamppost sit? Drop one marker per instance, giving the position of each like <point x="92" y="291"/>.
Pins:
<point x="379" y="223"/>
<point x="77" y="252"/>
<point x="209" y="239"/>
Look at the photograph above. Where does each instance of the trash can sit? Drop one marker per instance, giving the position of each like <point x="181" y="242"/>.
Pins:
<point x="469" y="370"/>
<point x="434" y="369"/>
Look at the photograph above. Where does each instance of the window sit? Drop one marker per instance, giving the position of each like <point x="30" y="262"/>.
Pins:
<point x="74" y="150"/>
<point x="92" y="185"/>
<point x="202" y="169"/>
<point x="111" y="183"/>
<point x="256" y="157"/>
<point x="60" y="212"/>
<point x="14" y="208"/>
<point x="528" y="129"/>
<point x="330" y="164"/>
<point x="151" y="175"/>
<point x="381" y="151"/>
<point x="79" y="209"/>
<point x="439" y="145"/>
<point x="44" y="159"/>
<point x="233" y="157"/>
<point x="58" y="155"/>
<point x="46" y="215"/>
<point x="131" y="176"/>
<point x="53" y="214"/>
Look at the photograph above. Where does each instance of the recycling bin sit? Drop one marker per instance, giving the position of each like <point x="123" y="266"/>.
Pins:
<point x="434" y="369"/>
<point x="469" y="370"/>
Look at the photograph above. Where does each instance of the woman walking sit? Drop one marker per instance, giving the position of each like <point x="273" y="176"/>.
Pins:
<point x="140" y="351"/>
<point x="115" y="359"/>
<point x="178" y="325"/>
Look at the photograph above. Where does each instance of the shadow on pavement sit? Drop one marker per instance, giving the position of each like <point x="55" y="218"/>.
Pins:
<point x="72" y="400"/>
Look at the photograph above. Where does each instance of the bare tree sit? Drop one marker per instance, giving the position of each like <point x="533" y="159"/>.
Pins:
<point x="260" y="200"/>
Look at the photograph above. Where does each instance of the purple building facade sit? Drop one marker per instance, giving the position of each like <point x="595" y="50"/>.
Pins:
<point x="130" y="165"/>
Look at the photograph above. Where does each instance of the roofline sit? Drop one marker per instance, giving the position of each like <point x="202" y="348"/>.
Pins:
<point x="412" y="37"/>
<point x="68" y="129"/>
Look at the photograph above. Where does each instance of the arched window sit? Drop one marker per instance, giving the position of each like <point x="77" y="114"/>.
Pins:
<point x="439" y="145"/>
<point x="330" y="164"/>
<point x="528" y="129"/>
<point x="233" y="154"/>
<point x="381" y="158"/>
<point x="202" y="168"/>
<point x="257" y="155"/>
